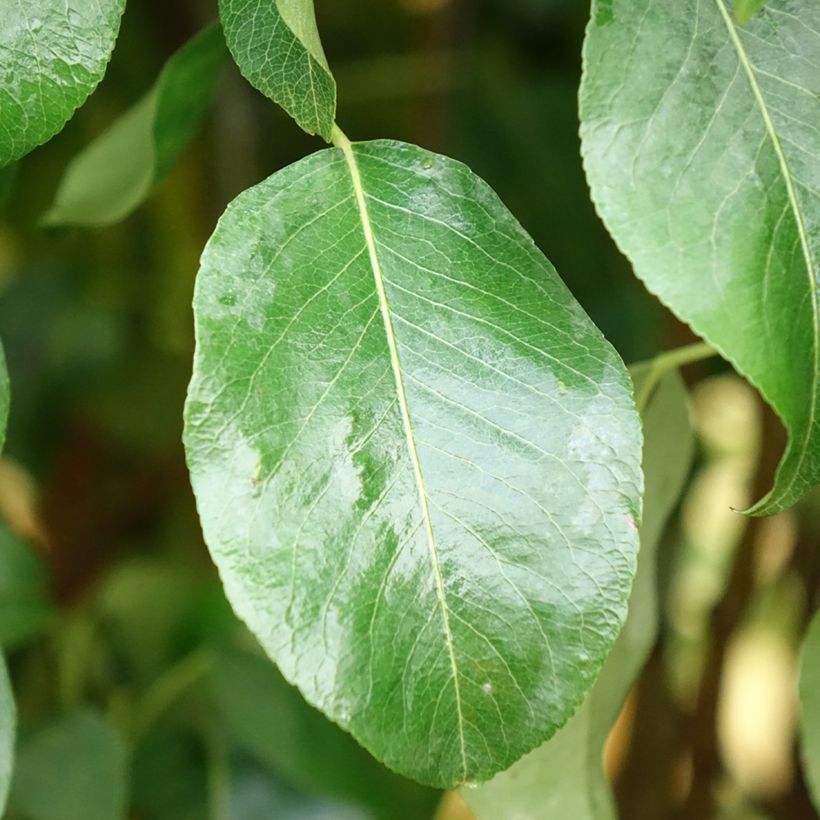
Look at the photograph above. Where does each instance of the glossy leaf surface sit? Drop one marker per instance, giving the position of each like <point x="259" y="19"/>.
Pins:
<point x="700" y="141"/>
<point x="565" y="776"/>
<point x="415" y="458"/>
<point x="270" y="720"/>
<point x="53" y="53"/>
<point x="276" y="45"/>
<point x="7" y="726"/>
<point x="810" y="709"/>
<point x="117" y="171"/>
<point x="72" y="766"/>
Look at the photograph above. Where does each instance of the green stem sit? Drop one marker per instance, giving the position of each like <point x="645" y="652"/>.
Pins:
<point x="338" y="138"/>
<point x="663" y="363"/>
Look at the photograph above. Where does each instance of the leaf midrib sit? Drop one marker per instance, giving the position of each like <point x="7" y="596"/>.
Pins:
<point x="749" y="69"/>
<point x="341" y="140"/>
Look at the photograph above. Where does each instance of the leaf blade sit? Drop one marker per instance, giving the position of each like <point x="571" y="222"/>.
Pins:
<point x="565" y="776"/>
<point x="54" y="56"/>
<point x="277" y="48"/>
<point x="114" y="174"/>
<point x="296" y="435"/>
<point x="700" y="170"/>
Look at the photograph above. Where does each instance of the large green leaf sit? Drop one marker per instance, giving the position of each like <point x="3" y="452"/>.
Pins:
<point x="810" y="708"/>
<point x="564" y="778"/>
<point x="7" y="725"/>
<point x="276" y="45"/>
<point x="416" y="459"/>
<point x="117" y="171"/>
<point x="53" y="53"/>
<point x="269" y="719"/>
<point x="700" y="140"/>
<point x="71" y="767"/>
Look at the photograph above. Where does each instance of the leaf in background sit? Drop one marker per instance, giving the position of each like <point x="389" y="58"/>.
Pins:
<point x="276" y="45"/>
<point x="810" y="709"/>
<point x="7" y="726"/>
<point x="564" y="778"/>
<point x="70" y="767"/>
<point x="24" y="603"/>
<point x="270" y="719"/>
<point x="416" y="459"/>
<point x="116" y="172"/>
<point x="4" y="399"/>
<point x="700" y="142"/>
<point x="53" y="54"/>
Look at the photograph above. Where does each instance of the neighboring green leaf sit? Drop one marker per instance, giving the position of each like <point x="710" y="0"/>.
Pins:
<point x="564" y="778"/>
<point x="4" y="398"/>
<point x="416" y="459"/>
<point x="746" y="9"/>
<point x="271" y="720"/>
<point x="810" y="709"/>
<point x="700" y="141"/>
<point x="53" y="53"/>
<point x="7" y="727"/>
<point x="71" y="767"/>
<point x="117" y="171"/>
<point x="24" y="604"/>
<point x="276" y="45"/>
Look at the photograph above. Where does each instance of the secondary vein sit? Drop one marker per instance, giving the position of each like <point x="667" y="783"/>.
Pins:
<point x="341" y="141"/>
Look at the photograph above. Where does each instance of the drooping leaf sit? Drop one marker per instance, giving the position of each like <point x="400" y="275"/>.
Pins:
<point x="117" y="171"/>
<point x="415" y="458"/>
<point x="7" y="728"/>
<point x="700" y="141"/>
<point x="271" y="720"/>
<point x="53" y="53"/>
<point x="276" y="45"/>
<point x="73" y="766"/>
<point x="810" y="709"/>
<point x="564" y="778"/>
<point x="24" y="604"/>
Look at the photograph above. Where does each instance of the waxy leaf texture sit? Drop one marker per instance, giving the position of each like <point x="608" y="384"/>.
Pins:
<point x="53" y="54"/>
<point x="416" y="459"/>
<point x="276" y="45"/>
<point x="701" y="140"/>
<point x="565" y="777"/>
<point x="117" y="171"/>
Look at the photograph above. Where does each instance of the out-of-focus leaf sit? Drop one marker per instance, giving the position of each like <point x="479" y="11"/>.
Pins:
<point x="69" y="768"/>
<point x="7" y="727"/>
<point x="24" y="602"/>
<point x="700" y="141"/>
<point x="4" y="399"/>
<point x="564" y="778"/>
<point x="117" y="171"/>
<point x="276" y="45"/>
<point x="271" y="720"/>
<point x="53" y="54"/>
<point x="810" y="708"/>
<point x="398" y="414"/>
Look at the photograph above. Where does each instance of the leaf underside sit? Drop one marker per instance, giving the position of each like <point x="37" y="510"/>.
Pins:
<point x="53" y="53"/>
<point x="276" y="45"/>
<point x="117" y="171"/>
<point x="415" y="458"/>
<point x="810" y="709"/>
<point x="565" y="776"/>
<point x="700" y="141"/>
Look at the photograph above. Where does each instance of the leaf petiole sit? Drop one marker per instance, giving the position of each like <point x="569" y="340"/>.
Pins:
<point x="655" y="369"/>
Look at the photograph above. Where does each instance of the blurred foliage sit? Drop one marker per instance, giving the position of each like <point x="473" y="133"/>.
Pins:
<point x="112" y="615"/>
